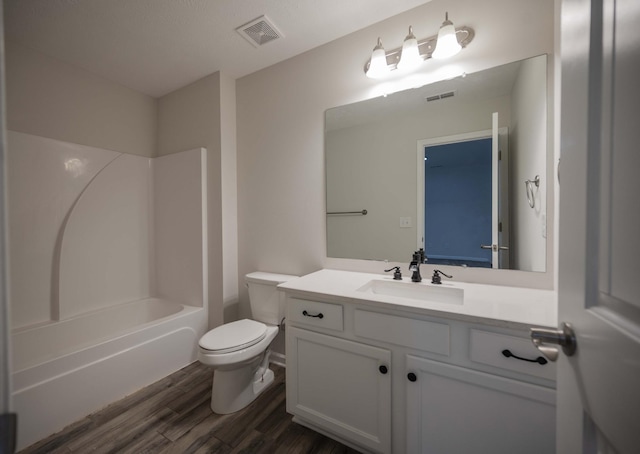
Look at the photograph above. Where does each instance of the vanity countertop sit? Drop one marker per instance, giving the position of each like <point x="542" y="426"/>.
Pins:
<point x="488" y="304"/>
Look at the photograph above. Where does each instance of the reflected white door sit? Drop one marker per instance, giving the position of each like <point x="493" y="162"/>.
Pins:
<point x="499" y="195"/>
<point x="495" y="150"/>
<point x="7" y="419"/>
<point x="504" y="201"/>
<point x="599" y="271"/>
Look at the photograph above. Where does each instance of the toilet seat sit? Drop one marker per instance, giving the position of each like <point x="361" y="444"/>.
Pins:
<point x="233" y="336"/>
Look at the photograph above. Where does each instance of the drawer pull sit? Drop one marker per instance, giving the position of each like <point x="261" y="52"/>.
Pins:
<point x="306" y="314"/>
<point x="540" y="360"/>
<point x="383" y="369"/>
<point x="411" y="376"/>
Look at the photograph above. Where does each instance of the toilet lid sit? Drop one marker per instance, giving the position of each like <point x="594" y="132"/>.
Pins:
<point x="233" y="336"/>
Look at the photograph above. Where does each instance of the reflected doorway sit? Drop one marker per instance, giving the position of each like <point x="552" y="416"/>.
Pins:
<point x="457" y="195"/>
<point x="463" y="209"/>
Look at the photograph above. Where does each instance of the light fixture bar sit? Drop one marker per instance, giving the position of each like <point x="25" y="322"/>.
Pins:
<point x="426" y="47"/>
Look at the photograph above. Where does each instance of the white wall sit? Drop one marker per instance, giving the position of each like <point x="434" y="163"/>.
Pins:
<point x="50" y="98"/>
<point x="179" y="218"/>
<point x="281" y="201"/>
<point x="229" y="188"/>
<point x="528" y="146"/>
<point x="190" y="117"/>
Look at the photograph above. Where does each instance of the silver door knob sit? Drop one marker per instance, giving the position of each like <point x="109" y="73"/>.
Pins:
<point x="565" y="337"/>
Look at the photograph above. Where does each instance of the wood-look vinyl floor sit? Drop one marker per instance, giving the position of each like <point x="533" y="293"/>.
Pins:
<point x="173" y="416"/>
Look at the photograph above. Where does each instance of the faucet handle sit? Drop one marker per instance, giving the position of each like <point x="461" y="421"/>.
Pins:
<point x="436" y="279"/>
<point x="397" y="275"/>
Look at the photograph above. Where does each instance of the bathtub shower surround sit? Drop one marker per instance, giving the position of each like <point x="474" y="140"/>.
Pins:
<point x="107" y="274"/>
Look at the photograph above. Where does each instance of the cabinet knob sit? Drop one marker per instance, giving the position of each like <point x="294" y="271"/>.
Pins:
<point x="383" y="369"/>
<point x="411" y="376"/>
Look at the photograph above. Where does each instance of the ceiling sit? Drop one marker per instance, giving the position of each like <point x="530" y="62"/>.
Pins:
<point x="157" y="46"/>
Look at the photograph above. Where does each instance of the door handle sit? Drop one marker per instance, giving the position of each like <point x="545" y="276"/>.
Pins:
<point x="494" y="247"/>
<point x="565" y="337"/>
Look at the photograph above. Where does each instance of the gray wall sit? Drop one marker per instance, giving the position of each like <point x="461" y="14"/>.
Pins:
<point x="528" y="138"/>
<point x="190" y="118"/>
<point x="49" y="98"/>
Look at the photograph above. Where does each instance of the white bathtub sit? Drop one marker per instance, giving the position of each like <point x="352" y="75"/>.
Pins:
<point x="65" y="370"/>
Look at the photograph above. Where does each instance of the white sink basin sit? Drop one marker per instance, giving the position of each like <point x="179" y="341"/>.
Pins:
<point x="414" y="290"/>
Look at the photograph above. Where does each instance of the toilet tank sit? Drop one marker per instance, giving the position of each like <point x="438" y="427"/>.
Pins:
<point x="267" y="302"/>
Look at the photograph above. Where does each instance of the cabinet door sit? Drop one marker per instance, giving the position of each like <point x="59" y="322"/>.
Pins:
<point x="341" y="386"/>
<point x="453" y="410"/>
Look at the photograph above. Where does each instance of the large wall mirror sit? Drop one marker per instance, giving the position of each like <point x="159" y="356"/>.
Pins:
<point x="457" y="167"/>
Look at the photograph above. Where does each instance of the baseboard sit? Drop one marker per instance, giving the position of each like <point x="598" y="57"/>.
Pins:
<point x="331" y="435"/>
<point x="278" y="359"/>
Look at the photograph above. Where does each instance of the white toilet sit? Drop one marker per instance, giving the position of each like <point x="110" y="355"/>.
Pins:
<point x="238" y="351"/>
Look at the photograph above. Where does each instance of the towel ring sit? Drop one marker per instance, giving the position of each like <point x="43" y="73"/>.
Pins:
<point x="529" y="187"/>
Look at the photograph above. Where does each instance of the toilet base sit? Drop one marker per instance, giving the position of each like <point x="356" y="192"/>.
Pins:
<point x="233" y="390"/>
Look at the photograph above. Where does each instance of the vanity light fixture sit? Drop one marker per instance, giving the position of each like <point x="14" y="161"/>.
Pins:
<point x="410" y="55"/>
<point x="447" y="45"/>
<point x="448" y="42"/>
<point x="377" y="67"/>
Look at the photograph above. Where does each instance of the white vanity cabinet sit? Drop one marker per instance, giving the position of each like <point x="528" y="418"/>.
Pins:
<point x="337" y="385"/>
<point x="455" y="410"/>
<point x="394" y="380"/>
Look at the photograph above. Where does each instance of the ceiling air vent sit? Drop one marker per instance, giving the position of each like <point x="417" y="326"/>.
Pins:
<point x="259" y="31"/>
<point x="448" y="94"/>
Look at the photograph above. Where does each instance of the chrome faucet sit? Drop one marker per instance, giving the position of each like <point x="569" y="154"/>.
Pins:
<point x="414" y="267"/>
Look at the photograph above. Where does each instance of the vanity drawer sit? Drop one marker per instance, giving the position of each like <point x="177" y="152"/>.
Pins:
<point x="421" y="334"/>
<point x="315" y="313"/>
<point x="487" y="348"/>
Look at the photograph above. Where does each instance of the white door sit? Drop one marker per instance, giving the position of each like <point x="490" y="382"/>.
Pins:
<point x="503" y="199"/>
<point x="495" y="149"/>
<point x="7" y="418"/>
<point x="599" y="262"/>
